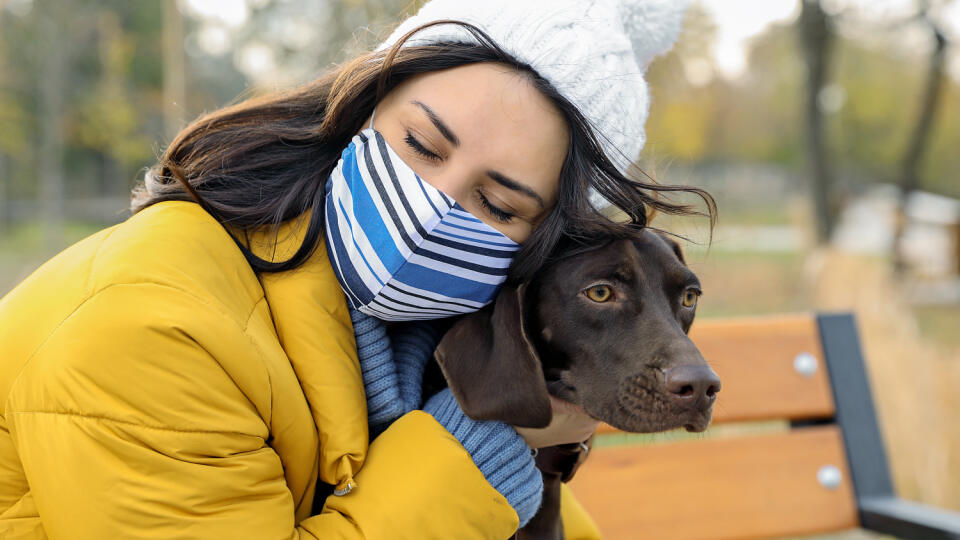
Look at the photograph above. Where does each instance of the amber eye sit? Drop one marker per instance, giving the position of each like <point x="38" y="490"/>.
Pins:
<point x="690" y="297"/>
<point x="599" y="293"/>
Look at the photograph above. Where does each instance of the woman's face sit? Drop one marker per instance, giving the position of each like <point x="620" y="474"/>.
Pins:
<point x="483" y="135"/>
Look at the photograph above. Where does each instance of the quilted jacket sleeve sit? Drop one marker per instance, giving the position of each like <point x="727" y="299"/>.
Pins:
<point x="138" y="423"/>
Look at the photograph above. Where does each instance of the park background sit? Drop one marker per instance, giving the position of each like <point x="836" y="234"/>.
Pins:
<point x="828" y="131"/>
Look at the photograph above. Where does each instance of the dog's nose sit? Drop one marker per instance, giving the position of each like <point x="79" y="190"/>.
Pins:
<point x="692" y="386"/>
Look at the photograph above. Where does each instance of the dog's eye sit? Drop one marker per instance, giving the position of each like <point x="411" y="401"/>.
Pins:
<point x="690" y="297"/>
<point x="599" y="293"/>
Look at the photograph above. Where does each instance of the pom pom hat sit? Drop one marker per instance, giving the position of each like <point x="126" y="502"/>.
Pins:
<point x="593" y="52"/>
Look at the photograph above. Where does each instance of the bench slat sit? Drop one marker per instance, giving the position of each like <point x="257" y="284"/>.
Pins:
<point x="725" y="488"/>
<point x="755" y="360"/>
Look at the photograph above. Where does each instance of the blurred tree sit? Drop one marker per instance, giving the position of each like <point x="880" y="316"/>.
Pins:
<point x="18" y="110"/>
<point x="763" y="126"/>
<point x="13" y="132"/>
<point x="684" y="110"/>
<point x="717" y="119"/>
<point x="918" y="143"/>
<point x="85" y="92"/>
<point x="107" y="118"/>
<point x="174" y="70"/>
<point x="749" y="118"/>
<point x="816" y="37"/>
<point x="52" y="59"/>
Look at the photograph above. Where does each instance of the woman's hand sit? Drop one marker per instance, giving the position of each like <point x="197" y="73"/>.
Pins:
<point x="570" y="424"/>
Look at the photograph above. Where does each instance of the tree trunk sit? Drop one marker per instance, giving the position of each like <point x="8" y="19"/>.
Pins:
<point x="51" y="155"/>
<point x="174" y="72"/>
<point x="817" y="39"/>
<point x="918" y="142"/>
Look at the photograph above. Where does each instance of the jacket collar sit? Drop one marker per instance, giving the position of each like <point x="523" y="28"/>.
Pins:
<point x="313" y="325"/>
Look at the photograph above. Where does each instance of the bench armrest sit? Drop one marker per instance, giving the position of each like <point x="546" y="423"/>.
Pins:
<point x="908" y="519"/>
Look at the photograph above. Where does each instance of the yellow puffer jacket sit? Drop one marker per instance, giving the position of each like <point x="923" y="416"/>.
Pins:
<point x="153" y="387"/>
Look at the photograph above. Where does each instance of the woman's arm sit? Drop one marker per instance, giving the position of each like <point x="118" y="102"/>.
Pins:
<point x="130" y="422"/>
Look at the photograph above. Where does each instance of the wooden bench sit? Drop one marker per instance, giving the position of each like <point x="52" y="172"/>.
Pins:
<point x="825" y="468"/>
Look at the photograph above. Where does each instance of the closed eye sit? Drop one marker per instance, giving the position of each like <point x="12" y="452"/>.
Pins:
<point x="419" y="148"/>
<point x="498" y="214"/>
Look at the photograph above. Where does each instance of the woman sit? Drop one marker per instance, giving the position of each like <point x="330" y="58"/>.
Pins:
<point x="214" y="366"/>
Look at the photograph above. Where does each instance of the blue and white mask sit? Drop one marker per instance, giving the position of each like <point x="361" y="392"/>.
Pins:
<point x="401" y="248"/>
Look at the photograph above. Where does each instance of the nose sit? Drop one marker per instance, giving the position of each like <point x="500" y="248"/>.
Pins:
<point x="692" y="386"/>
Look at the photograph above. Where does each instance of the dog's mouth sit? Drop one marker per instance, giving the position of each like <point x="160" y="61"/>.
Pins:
<point x="656" y="418"/>
<point x="701" y="422"/>
<point x="636" y="409"/>
<point x="641" y="409"/>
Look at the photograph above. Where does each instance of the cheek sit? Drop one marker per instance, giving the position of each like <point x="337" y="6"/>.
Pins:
<point x="518" y="232"/>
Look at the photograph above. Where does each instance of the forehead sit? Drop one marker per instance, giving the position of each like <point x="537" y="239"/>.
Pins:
<point x="503" y="122"/>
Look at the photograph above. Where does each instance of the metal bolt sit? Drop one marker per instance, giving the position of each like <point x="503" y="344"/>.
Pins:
<point x="805" y="364"/>
<point x="829" y="477"/>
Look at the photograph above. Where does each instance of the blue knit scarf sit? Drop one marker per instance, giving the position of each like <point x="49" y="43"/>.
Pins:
<point x="393" y="361"/>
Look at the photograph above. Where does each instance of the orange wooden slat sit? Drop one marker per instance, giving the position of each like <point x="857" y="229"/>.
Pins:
<point x="718" y="489"/>
<point x="754" y="358"/>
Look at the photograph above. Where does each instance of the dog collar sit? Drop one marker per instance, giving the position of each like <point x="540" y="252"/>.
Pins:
<point x="563" y="459"/>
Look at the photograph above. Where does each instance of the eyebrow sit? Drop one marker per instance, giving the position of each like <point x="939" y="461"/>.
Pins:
<point x="515" y="186"/>
<point x="454" y="140"/>
<point x="444" y="130"/>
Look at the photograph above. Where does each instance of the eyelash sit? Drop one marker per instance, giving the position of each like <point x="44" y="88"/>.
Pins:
<point x="417" y="147"/>
<point x="500" y="215"/>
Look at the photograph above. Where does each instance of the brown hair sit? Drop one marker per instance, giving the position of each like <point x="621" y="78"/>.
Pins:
<point x="266" y="160"/>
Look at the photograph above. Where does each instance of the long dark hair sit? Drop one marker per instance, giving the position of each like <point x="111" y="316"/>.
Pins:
<point x="265" y="160"/>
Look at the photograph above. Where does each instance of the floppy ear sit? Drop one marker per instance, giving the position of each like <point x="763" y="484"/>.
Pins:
<point x="491" y="366"/>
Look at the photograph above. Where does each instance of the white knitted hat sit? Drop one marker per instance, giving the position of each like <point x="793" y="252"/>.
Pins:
<point x="593" y="51"/>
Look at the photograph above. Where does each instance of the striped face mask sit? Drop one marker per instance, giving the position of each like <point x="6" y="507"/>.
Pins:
<point x="401" y="248"/>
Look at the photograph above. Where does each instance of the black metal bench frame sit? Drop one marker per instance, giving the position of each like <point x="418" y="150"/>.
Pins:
<point x="878" y="506"/>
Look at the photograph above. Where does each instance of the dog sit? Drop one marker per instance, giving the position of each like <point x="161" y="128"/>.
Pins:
<point x="604" y="325"/>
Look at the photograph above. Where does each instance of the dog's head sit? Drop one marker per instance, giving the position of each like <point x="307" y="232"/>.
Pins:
<point x="605" y="328"/>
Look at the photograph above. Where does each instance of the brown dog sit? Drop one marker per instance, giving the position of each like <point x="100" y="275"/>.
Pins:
<point x="604" y="327"/>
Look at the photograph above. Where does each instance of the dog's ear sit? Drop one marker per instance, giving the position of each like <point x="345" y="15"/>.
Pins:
<point x="491" y="365"/>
